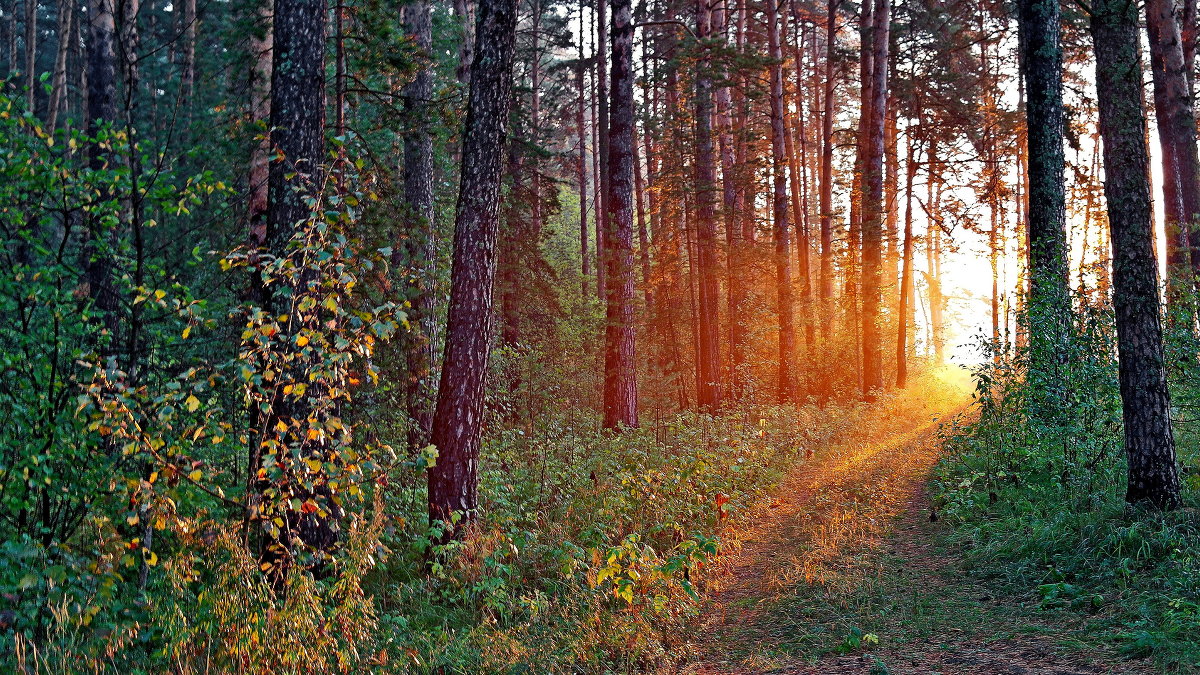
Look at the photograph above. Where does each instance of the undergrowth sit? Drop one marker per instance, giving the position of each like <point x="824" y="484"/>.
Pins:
<point x="593" y="549"/>
<point x="1040" y="508"/>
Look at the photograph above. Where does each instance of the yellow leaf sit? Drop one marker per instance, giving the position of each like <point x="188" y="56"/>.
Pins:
<point x="192" y="403"/>
<point x="132" y="520"/>
<point x="301" y="340"/>
<point x="314" y="465"/>
<point x="281" y="426"/>
<point x="314" y="434"/>
<point x="195" y="475"/>
<point x="186" y="332"/>
<point x="151" y="557"/>
<point x="160" y="294"/>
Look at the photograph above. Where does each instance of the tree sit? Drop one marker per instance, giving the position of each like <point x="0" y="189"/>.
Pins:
<point x="1177" y="139"/>
<point x="710" y="385"/>
<point x="779" y="201"/>
<point x="873" y="206"/>
<point x="1049" y="295"/>
<point x="458" y="416"/>
<point x="417" y="226"/>
<point x="294" y="178"/>
<point x="620" y="383"/>
<point x="1153" y="474"/>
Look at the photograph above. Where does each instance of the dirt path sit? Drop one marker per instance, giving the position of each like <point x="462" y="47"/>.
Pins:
<point x="841" y="573"/>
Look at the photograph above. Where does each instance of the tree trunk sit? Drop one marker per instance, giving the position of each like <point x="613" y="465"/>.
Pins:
<point x="825" y="284"/>
<point x="783" y="270"/>
<point x="1145" y="403"/>
<point x="906" y="270"/>
<point x="1177" y="138"/>
<point x="261" y="54"/>
<point x="464" y="11"/>
<point x="58" y="90"/>
<point x="872" y="209"/>
<point x="31" y="87"/>
<point x="101" y="112"/>
<point x="297" y="133"/>
<point x="1050" y="300"/>
<point x="620" y="381"/>
<point x="735" y="255"/>
<point x="709" y="387"/>
<point x="458" y="419"/>
<point x="581" y="104"/>
<point x="602" y="142"/>
<point x="187" y="75"/>
<point x="417" y="226"/>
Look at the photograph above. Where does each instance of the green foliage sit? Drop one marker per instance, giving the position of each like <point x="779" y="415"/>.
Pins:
<point x="1040" y="506"/>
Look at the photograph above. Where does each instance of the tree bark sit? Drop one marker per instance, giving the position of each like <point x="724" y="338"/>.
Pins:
<point x="58" y="90"/>
<point x="261" y="53"/>
<point x="1050" y="300"/>
<point x="1177" y="139"/>
<point x="709" y="383"/>
<point x="581" y="105"/>
<point x="783" y="270"/>
<point x="417" y="226"/>
<point x="620" y="380"/>
<point x="458" y="418"/>
<point x="872" y="209"/>
<point x="1153" y="473"/>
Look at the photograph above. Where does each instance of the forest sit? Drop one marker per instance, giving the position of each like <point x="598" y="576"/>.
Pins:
<point x="599" y="336"/>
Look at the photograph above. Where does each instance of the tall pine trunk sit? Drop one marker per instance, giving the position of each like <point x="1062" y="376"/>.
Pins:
<point x="417" y="227"/>
<point x="1145" y="403"/>
<point x="620" y="383"/>
<point x="1050" y="300"/>
<point x="458" y="418"/>
<point x="873" y="206"/>
<point x="709" y="381"/>
<point x="779" y="199"/>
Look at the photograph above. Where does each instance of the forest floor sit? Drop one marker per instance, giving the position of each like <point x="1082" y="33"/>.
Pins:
<point x="843" y="571"/>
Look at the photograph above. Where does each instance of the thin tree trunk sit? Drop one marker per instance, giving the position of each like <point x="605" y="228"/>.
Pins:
<point x="187" y="69"/>
<point x="581" y="104"/>
<point x="906" y="273"/>
<point x="825" y="284"/>
<point x="602" y="142"/>
<point x="1153" y="473"/>
<point x="783" y="271"/>
<point x="464" y="11"/>
<point x="458" y="419"/>
<point x="58" y="93"/>
<point x="709" y="391"/>
<point x="261" y="53"/>
<point x="31" y="15"/>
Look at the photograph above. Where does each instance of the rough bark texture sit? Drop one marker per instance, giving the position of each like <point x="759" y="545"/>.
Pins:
<point x="872" y="208"/>
<point x="298" y="140"/>
<point x="779" y="200"/>
<point x="261" y="50"/>
<point x="1177" y="139"/>
<point x="1145" y="402"/>
<point x="464" y="11"/>
<point x="458" y="418"/>
<point x="58" y="94"/>
<point x="297" y="113"/>
<point x="602" y="141"/>
<point x="1050" y="301"/>
<point x="620" y="382"/>
<point x="417" y="227"/>
<point x="709" y="382"/>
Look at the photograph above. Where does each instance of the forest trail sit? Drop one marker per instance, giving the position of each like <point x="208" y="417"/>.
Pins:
<point x="839" y="573"/>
